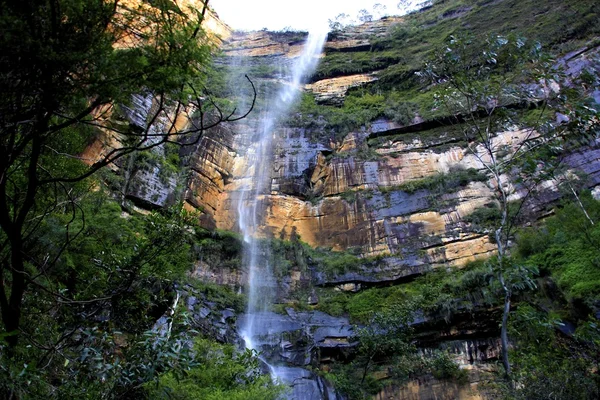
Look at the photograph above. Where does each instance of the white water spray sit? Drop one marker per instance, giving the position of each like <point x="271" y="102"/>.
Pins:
<point x="262" y="285"/>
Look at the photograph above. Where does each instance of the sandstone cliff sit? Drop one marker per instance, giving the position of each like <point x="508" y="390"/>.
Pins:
<point x="351" y="193"/>
<point x="402" y="195"/>
<point x="404" y="192"/>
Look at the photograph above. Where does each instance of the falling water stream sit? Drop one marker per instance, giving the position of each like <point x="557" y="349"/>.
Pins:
<point x="262" y="285"/>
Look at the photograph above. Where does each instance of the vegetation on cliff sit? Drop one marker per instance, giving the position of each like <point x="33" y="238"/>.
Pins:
<point x="220" y="372"/>
<point x="84" y="277"/>
<point x="481" y="85"/>
<point x="553" y="329"/>
<point x="400" y="54"/>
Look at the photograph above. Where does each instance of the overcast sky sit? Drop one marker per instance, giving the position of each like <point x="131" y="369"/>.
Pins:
<point x="295" y="14"/>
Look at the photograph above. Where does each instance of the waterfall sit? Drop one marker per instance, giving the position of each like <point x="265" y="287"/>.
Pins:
<point x="262" y="285"/>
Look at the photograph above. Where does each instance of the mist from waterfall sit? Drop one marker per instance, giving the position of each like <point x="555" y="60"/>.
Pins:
<point x="262" y="285"/>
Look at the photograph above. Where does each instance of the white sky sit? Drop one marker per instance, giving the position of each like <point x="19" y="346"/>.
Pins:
<point x="296" y="14"/>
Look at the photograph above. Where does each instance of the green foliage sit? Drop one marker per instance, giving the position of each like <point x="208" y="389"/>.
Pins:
<point x="359" y="108"/>
<point x="97" y="362"/>
<point x="399" y="110"/>
<point x="348" y="196"/>
<point x="546" y="365"/>
<point x="410" y="42"/>
<point x="295" y="254"/>
<point x="67" y="75"/>
<point x="484" y="218"/>
<point x="335" y="263"/>
<point x="386" y="346"/>
<point x="440" y="294"/>
<point x="172" y="158"/>
<point x="443" y="367"/>
<point x="289" y="36"/>
<point x="566" y="249"/>
<point x="219" y="248"/>
<point x="443" y="183"/>
<point x="387" y="335"/>
<point x="130" y="260"/>
<point x="400" y="54"/>
<point x="221" y="295"/>
<point x="220" y="373"/>
<point x="543" y="361"/>
<point x="336" y="64"/>
<point x="111" y="278"/>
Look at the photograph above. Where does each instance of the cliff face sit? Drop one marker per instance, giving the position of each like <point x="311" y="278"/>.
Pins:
<point x="378" y="190"/>
<point x="404" y="193"/>
<point x="342" y="189"/>
<point x="407" y="193"/>
<point x="355" y="192"/>
<point x="149" y="181"/>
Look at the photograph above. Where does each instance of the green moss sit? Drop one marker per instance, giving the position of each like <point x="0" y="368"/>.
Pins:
<point x="439" y="293"/>
<point x="400" y="94"/>
<point x="326" y="122"/>
<point x="336" y="64"/>
<point x="441" y="183"/>
<point x="348" y="196"/>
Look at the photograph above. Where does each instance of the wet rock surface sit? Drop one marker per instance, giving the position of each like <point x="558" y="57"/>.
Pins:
<point x="304" y="385"/>
<point x="289" y="342"/>
<point x="296" y="337"/>
<point x="295" y="340"/>
<point x="210" y="318"/>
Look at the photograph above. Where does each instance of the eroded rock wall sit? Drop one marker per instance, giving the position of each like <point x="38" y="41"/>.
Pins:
<point x="352" y="193"/>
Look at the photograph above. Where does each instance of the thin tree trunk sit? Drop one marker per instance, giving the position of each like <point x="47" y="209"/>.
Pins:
<point x="504" y="335"/>
<point x="366" y="369"/>
<point x="580" y="204"/>
<point x="502" y="244"/>
<point x="11" y="315"/>
<point x="129" y="174"/>
<point x="204" y="8"/>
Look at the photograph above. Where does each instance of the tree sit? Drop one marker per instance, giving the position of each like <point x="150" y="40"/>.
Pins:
<point x="379" y="10"/>
<point x="86" y="327"/>
<point x="364" y="16"/>
<point x="220" y="373"/>
<point x="505" y="86"/>
<point x="385" y="341"/>
<point x="388" y="332"/>
<point x="340" y="21"/>
<point x="68" y="68"/>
